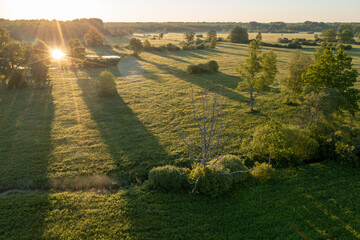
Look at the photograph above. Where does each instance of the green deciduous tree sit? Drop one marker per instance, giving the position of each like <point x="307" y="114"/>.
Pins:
<point x="336" y="72"/>
<point x="135" y="45"/>
<point x="189" y="36"/>
<point x="239" y="35"/>
<point x="93" y="37"/>
<point x="4" y="36"/>
<point x="11" y="57"/>
<point x="258" y="37"/>
<point x="76" y="50"/>
<point x="346" y="36"/>
<point x="258" y="71"/>
<point x="106" y="83"/>
<point x="329" y="35"/>
<point x="293" y="83"/>
<point x="211" y="34"/>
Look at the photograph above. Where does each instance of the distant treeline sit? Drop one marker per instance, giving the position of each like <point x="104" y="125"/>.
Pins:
<point x="273" y="27"/>
<point x="48" y="31"/>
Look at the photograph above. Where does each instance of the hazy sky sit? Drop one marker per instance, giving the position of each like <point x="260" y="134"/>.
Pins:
<point x="185" y="10"/>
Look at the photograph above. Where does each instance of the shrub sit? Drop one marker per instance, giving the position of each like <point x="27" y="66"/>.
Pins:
<point x="211" y="181"/>
<point x="168" y="178"/>
<point x="100" y="62"/>
<point x="16" y="80"/>
<point x="106" y="84"/>
<point x="172" y="47"/>
<point x="210" y="66"/>
<point x="188" y="47"/>
<point x="184" y="162"/>
<point x="213" y="66"/>
<point x="234" y="164"/>
<point x="201" y="46"/>
<point x="294" y="45"/>
<point x="261" y="173"/>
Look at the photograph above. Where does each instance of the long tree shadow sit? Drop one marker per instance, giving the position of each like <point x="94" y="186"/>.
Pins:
<point x="26" y="116"/>
<point x="220" y="83"/>
<point x="104" y="51"/>
<point x="132" y="146"/>
<point x="169" y="55"/>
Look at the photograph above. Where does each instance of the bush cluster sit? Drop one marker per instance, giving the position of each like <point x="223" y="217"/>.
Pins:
<point x="106" y="84"/>
<point x="211" y="66"/>
<point x="169" y="178"/>
<point x="211" y="180"/>
<point x="100" y="62"/>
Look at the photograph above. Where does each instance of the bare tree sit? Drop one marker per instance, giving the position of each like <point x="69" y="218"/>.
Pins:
<point x="209" y="121"/>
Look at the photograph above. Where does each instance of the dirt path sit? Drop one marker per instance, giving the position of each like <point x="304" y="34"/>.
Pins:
<point x="131" y="69"/>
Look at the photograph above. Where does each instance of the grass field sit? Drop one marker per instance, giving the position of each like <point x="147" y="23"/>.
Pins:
<point x="67" y="132"/>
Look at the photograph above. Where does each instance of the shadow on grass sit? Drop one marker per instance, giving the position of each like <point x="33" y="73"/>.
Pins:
<point x="170" y="55"/>
<point x="104" y="51"/>
<point x="26" y="116"/>
<point x="219" y="82"/>
<point x="134" y="149"/>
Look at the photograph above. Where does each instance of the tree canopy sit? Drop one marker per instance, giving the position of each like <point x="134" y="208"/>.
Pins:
<point x="335" y="71"/>
<point x="239" y="35"/>
<point x="258" y="71"/>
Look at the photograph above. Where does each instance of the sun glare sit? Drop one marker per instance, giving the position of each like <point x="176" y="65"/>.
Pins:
<point x="57" y="54"/>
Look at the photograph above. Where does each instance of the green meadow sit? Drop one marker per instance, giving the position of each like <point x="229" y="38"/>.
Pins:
<point x="56" y="141"/>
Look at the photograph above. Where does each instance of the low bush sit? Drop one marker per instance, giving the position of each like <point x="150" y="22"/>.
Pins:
<point x="211" y="181"/>
<point x="100" y="62"/>
<point x="200" y="46"/>
<point x="213" y="66"/>
<point x="168" y="178"/>
<point x="190" y="47"/>
<point x="235" y="164"/>
<point x="172" y="47"/>
<point x="106" y="84"/>
<point x="184" y="162"/>
<point x="261" y="172"/>
<point x="210" y="66"/>
<point x="16" y="80"/>
<point x="294" y="45"/>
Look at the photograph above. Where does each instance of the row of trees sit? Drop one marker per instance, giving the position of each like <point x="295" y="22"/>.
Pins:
<point x="276" y="27"/>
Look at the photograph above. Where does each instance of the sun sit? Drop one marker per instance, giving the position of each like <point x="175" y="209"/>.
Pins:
<point x="57" y="54"/>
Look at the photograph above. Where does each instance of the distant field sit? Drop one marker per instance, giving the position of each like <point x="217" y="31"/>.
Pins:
<point x="68" y="131"/>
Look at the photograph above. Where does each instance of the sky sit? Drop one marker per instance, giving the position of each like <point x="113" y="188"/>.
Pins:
<point x="185" y="10"/>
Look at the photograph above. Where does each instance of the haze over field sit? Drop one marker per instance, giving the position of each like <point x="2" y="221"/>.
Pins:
<point x="187" y="10"/>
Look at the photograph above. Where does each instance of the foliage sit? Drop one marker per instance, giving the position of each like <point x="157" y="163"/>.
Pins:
<point x="172" y="47"/>
<point x="4" y="36"/>
<point x="77" y="51"/>
<point x="258" y="37"/>
<point x="329" y="35"/>
<point x="106" y="84"/>
<point x="169" y="178"/>
<point x="211" y="34"/>
<point x="346" y="36"/>
<point x="93" y="37"/>
<point x="11" y="57"/>
<point x="213" y="42"/>
<point x="146" y="45"/>
<point x="135" y="45"/>
<point x="239" y="35"/>
<point x="262" y="172"/>
<point x="258" y="71"/>
<point x="16" y="80"/>
<point x="211" y="66"/>
<point x="279" y="144"/>
<point x="211" y="180"/>
<point x="293" y="83"/>
<point x="39" y="71"/>
<point x="189" y="36"/>
<point x="336" y="72"/>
